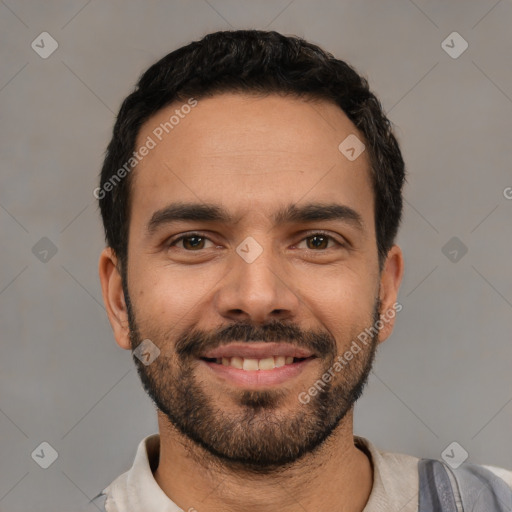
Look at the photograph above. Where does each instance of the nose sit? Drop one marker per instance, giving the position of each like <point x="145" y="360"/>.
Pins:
<point x="257" y="291"/>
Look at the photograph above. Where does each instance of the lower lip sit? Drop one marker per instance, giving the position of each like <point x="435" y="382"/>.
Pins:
<point x="258" y="378"/>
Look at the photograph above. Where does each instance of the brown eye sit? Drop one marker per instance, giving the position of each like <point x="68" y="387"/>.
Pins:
<point x="192" y="242"/>
<point x="318" y="242"/>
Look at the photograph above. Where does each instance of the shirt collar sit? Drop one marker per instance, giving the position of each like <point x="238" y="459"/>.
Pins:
<point x="137" y="490"/>
<point x="395" y="479"/>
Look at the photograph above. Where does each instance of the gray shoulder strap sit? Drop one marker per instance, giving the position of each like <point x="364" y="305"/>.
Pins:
<point x="480" y="490"/>
<point x="435" y="489"/>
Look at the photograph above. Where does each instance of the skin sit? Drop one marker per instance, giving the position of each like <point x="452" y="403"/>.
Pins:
<point x="226" y="151"/>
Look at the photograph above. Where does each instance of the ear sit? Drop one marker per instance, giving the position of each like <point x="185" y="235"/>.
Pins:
<point x="390" y="279"/>
<point x="113" y="297"/>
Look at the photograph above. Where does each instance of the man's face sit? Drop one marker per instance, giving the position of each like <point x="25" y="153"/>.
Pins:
<point x="253" y="281"/>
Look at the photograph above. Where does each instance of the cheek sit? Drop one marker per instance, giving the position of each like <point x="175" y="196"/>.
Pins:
<point x="165" y="298"/>
<point x="343" y="305"/>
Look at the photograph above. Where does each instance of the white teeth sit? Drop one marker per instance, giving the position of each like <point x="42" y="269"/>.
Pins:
<point x="280" y="361"/>
<point x="266" y="364"/>
<point x="237" y="362"/>
<point x="250" y="364"/>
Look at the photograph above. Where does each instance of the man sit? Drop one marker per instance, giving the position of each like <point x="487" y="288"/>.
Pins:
<point x="251" y="195"/>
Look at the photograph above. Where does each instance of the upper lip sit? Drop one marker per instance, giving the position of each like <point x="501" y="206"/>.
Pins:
<point x="257" y="350"/>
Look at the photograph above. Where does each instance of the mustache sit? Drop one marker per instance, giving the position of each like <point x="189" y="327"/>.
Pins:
<point x="197" y="342"/>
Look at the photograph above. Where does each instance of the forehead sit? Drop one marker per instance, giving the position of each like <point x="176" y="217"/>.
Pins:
<point x="251" y="154"/>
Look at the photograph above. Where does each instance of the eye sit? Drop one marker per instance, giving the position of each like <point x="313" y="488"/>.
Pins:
<point x="320" y="241"/>
<point x="191" y="242"/>
<point x="194" y="242"/>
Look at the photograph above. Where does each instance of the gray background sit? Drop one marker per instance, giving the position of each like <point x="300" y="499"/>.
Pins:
<point x="445" y="375"/>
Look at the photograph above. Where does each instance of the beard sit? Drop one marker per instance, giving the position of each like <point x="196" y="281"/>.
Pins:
<point x="262" y="435"/>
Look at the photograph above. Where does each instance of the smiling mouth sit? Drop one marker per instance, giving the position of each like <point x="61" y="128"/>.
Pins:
<point x="252" y="364"/>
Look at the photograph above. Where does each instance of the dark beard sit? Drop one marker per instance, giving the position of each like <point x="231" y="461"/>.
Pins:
<point x="260" y="439"/>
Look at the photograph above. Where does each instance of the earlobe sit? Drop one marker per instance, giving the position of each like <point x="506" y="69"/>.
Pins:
<point x="391" y="278"/>
<point x="113" y="297"/>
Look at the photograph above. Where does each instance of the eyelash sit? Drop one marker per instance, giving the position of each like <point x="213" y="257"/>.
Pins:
<point x="172" y="242"/>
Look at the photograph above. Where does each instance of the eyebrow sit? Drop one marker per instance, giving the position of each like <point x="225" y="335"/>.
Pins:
<point x="179" y="212"/>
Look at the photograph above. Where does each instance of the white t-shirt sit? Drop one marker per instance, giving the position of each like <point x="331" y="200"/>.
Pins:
<point x="395" y="482"/>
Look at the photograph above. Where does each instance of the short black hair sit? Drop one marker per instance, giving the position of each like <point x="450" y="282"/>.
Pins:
<point x="251" y="61"/>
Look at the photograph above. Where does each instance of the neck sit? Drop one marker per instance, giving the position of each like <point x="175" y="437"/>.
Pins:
<point x="337" y="476"/>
